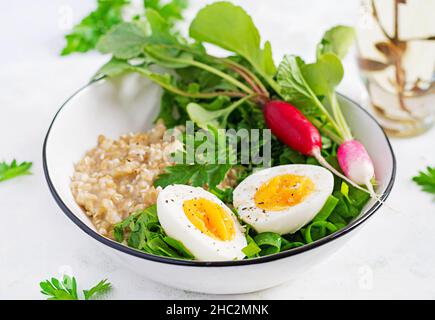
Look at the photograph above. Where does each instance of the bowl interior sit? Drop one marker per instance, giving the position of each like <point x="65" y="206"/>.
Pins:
<point x="109" y="107"/>
<point x="131" y="103"/>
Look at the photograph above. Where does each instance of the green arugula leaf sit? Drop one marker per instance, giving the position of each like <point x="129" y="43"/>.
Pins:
<point x="426" y="180"/>
<point x="86" y="34"/>
<point x="9" y="171"/>
<point x="67" y="289"/>
<point x="125" y="40"/>
<point x="336" y="40"/>
<point x="230" y="27"/>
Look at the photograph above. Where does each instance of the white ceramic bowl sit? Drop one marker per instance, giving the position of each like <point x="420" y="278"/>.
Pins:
<point x="130" y="104"/>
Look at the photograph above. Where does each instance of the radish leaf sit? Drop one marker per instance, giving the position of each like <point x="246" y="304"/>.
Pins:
<point x="336" y="40"/>
<point x="125" y="41"/>
<point x="324" y="75"/>
<point x="230" y="27"/>
<point x="216" y="118"/>
<point x="296" y="90"/>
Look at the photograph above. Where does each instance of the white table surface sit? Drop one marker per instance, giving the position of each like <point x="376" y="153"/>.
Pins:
<point x="393" y="255"/>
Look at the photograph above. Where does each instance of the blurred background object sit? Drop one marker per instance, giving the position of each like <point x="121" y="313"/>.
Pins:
<point x="396" y="56"/>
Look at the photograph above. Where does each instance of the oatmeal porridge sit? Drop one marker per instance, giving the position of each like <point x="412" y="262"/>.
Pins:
<point x="115" y="178"/>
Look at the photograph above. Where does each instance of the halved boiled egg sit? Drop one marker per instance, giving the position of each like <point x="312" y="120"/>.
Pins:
<point x="283" y="199"/>
<point x="202" y="222"/>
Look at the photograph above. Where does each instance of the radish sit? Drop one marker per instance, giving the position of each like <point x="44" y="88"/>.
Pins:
<point x="292" y="127"/>
<point x="356" y="164"/>
<point x="289" y="125"/>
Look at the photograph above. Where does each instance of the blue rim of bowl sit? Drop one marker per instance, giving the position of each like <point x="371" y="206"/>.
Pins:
<point x="233" y="263"/>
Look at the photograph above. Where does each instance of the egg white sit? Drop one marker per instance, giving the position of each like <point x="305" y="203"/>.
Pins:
<point x="176" y="225"/>
<point x="291" y="219"/>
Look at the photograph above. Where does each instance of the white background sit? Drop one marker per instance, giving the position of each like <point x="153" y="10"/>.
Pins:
<point x="392" y="256"/>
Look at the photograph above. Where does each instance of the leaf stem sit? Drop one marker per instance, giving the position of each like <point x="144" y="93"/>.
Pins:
<point x="327" y="132"/>
<point x="339" y="117"/>
<point x="203" y="66"/>
<point x="275" y="86"/>
<point x="175" y="90"/>
<point x="243" y="71"/>
<point x="219" y="73"/>
<point x="325" y="112"/>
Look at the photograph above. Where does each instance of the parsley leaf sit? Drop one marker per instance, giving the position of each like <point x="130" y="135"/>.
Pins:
<point x="99" y="289"/>
<point x="60" y="290"/>
<point x="86" y="34"/>
<point x="196" y="175"/>
<point x="213" y="158"/>
<point x="67" y="289"/>
<point x="426" y="180"/>
<point x="14" y="170"/>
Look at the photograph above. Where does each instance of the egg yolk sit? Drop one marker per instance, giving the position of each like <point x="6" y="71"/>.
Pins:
<point x="210" y="218"/>
<point x="282" y="192"/>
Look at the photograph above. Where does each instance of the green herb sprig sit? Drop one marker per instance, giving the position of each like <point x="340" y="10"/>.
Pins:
<point x="66" y="289"/>
<point x="426" y="180"/>
<point x="86" y="34"/>
<point x="108" y="14"/>
<point x="13" y="170"/>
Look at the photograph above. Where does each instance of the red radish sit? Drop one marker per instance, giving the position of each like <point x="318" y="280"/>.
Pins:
<point x="289" y="125"/>
<point x="356" y="163"/>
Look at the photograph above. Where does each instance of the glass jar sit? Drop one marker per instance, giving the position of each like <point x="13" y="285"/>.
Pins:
<point x="396" y="56"/>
